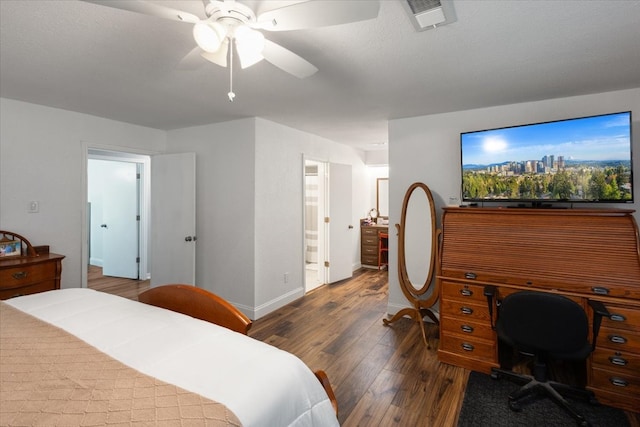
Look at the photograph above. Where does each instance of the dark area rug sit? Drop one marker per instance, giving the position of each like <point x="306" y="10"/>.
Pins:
<point x="486" y="404"/>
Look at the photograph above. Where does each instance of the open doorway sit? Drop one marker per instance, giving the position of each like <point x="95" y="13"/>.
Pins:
<point x="314" y="230"/>
<point x="117" y="206"/>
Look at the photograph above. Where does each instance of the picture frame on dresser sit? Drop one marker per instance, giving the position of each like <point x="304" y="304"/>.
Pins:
<point x="10" y="248"/>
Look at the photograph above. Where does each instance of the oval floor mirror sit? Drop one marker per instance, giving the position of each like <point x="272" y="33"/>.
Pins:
<point x="417" y="256"/>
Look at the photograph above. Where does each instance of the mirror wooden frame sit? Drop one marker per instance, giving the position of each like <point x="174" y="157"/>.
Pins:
<point x="421" y="307"/>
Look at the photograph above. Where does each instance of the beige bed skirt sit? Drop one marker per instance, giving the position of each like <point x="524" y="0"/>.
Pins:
<point x="50" y="377"/>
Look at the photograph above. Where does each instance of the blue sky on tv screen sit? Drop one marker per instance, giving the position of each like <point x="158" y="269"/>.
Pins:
<point x="606" y="137"/>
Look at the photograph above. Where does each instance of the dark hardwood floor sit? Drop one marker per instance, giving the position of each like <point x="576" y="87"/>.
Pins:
<point x="382" y="376"/>
<point x="127" y="288"/>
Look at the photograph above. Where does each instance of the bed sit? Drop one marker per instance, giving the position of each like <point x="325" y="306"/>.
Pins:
<point x="151" y="365"/>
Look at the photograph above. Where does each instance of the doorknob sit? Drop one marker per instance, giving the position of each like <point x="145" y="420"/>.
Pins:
<point x="103" y="225"/>
<point x="188" y="239"/>
<point x="350" y="227"/>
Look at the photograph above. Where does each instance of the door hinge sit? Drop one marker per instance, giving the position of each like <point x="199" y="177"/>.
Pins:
<point x="326" y="263"/>
<point x="138" y="260"/>
<point x="137" y="176"/>
<point x="327" y="219"/>
<point x="137" y="217"/>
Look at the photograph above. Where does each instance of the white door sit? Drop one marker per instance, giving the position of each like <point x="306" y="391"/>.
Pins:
<point x="119" y="227"/>
<point x="341" y="228"/>
<point x="173" y="219"/>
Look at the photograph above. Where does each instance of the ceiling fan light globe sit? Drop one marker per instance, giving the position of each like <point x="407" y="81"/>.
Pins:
<point x="208" y="36"/>
<point x="249" y="45"/>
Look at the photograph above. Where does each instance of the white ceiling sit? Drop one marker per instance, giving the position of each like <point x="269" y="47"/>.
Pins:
<point x="124" y="66"/>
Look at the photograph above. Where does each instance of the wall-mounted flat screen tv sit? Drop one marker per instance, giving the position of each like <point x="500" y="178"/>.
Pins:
<point x="585" y="159"/>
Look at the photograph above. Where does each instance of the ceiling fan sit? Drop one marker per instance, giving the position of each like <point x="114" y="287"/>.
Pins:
<point x="232" y="25"/>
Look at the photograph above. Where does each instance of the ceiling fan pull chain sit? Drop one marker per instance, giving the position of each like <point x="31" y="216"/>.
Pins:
<point x="231" y="95"/>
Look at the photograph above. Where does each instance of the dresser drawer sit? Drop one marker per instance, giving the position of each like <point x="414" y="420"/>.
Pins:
<point x="369" y="259"/>
<point x="469" y="347"/>
<point x="370" y="231"/>
<point x="618" y="340"/>
<point x="19" y="276"/>
<point x="47" y="285"/>
<point x="615" y="382"/>
<point x="616" y="361"/>
<point x="370" y="241"/>
<point x="456" y="325"/>
<point x="622" y="318"/>
<point x="464" y="291"/>
<point x="370" y="250"/>
<point x="470" y="310"/>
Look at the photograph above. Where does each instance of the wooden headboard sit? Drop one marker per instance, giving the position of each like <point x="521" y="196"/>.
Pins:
<point x="198" y="303"/>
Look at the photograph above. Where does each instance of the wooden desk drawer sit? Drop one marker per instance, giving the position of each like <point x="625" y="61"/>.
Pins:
<point x="616" y="361"/>
<point x="463" y="291"/>
<point x="469" y="347"/>
<point x="615" y="382"/>
<point x="16" y="277"/>
<point x="456" y="325"/>
<point x="618" y="340"/>
<point x="466" y="310"/>
<point x="622" y="318"/>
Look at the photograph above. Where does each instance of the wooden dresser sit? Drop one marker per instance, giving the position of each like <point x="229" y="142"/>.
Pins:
<point x="369" y="244"/>
<point x="33" y="270"/>
<point x="583" y="254"/>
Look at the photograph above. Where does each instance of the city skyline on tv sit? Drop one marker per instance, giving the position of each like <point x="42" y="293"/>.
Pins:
<point x="586" y="159"/>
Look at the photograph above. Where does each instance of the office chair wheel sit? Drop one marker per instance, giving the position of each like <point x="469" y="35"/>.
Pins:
<point x="515" y="406"/>
<point x="495" y="375"/>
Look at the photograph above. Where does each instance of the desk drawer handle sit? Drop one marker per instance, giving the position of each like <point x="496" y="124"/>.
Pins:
<point x="617" y="317"/>
<point x="20" y="275"/>
<point x="466" y="328"/>
<point x="470" y="276"/>
<point x="600" y="290"/>
<point x="617" y="339"/>
<point x="466" y="310"/>
<point x="618" y="382"/>
<point x="467" y="347"/>
<point x="466" y="292"/>
<point x="618" y="361"/>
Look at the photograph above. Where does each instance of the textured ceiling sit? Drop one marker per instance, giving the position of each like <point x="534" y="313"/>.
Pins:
<point x="124" y="66"/>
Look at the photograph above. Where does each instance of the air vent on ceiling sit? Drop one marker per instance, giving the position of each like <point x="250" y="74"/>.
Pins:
<point x="425" y="14"/>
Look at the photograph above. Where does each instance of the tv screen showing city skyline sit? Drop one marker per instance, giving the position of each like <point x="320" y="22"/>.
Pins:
<point x="584" y="159"/>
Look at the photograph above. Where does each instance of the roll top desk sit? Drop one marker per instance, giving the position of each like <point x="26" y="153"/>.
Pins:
<point x="583" y="254"/>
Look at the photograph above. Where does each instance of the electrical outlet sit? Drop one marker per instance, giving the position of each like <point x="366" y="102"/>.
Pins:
<point x="34" y="207"/>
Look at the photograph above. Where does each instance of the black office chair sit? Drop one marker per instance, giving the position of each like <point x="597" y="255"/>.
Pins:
<point x="546" y="326"/>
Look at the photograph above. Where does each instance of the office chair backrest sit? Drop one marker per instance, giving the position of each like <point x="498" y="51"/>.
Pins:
<point x="538" y="321"/>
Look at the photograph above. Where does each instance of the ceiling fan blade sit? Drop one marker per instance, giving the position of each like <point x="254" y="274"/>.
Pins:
<point x="148" y="8"/>
<point x="287" y="60"/>
<point x="219" y="57"/>
<point x="317" y="13"/>
<point x="191" y="60"/>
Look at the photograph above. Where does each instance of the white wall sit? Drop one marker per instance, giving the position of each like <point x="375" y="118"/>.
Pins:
<point x="42" y="157"/>
<point x="427" y="149"/>
<point x="225" y="206"/>
<point x="279" y="207"/>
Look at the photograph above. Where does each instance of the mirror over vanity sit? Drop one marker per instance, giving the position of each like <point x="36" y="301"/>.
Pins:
<point x="382" y="197"/>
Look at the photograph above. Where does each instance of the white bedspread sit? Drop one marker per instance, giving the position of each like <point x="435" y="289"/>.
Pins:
<point x="262" y="385"/>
